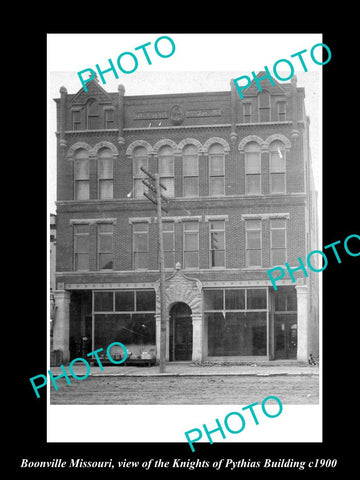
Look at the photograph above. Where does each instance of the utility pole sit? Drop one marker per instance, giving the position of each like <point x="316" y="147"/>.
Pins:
<point x="156" y="188"/>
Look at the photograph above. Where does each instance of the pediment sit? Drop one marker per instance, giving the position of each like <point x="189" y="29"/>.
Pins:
<point x="252" y="89"/>
<point x="94" y="90"/>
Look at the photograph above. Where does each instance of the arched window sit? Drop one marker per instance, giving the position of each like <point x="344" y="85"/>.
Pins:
<point x="190" y="171"/>
<point x="81" y="175"/>
<point x="217" y="169"/>
<point x="277" y="167"/>
<point x="166" y="169"/>
<point x="105" y="173"/>
<point x="264" y="107"/>
<point x="140" y="157"/>
<point x="252" y="168"/>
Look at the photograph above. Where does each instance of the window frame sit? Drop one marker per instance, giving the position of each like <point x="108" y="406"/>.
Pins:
<point x="211" y="250"/>
<point x="247" y="249"/>
<point x="76" y="235"/>
<point x="98" y="252"/>
<point x="272" y="248"/>
<point x="134" y="257"/>
<point x="211" y="156"/>
<point x="185" y="251"/>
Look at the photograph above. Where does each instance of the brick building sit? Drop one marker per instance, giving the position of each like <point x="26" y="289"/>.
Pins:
<point x="241" y="200"/>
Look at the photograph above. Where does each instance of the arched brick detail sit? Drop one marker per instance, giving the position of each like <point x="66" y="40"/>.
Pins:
<point x="248" y="139"/>
<point x="78" y="146"/>
<point x="212" y="140"/>
<point x="139" y="143"/>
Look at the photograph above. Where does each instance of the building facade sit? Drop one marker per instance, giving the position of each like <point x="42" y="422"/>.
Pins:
<point x="241" y="200"/>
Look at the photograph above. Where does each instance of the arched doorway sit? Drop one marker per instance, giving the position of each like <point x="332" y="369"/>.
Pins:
<point x="180" y="338"/>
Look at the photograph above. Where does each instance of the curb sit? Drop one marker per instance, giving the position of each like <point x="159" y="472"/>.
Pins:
<point x="276" y="374"/>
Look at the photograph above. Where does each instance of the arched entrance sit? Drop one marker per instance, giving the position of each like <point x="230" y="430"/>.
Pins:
<point x="181" y="332"/>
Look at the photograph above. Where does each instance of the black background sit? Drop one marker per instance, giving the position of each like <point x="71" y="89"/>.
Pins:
<point x="25" y="416"/>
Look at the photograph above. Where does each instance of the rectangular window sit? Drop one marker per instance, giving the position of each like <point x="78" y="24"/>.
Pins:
<point x="247" y="112"/>
<point x="281" y="111"/>
<point x="140" y="246"/>
<point x="217" y="243"/>
<point x="169" y="244"/>
<point x="191" y="244"/>
<point x="191" y="175"/>
<point x="105" y="177"/>
<point x="81" y="247"/>
<point x="253" y="243"/>
<point x="109" y="118"/>
<point x="217" y="174"/>
<point x="105" y="246"/>
<point x="278" y="241"/>
<point x="76" y="119"/>
<point x="237" y="321"/>
<point x="81" y="179"/>
<point x="264" y="107"/>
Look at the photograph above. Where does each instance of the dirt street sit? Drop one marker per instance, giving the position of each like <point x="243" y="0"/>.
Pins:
<point x="190" y="390"/>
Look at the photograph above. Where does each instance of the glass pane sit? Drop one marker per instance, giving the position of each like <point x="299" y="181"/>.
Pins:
<point x="169" y="259"/>
<point x="256" y="299"/>
<point x="191" y="187"/>
<point x="278" y="257"/>
<point x="105" y="261"/>
<point x="291" y="302"/>
<point x="81" y="261"/>
<point x="217" y="224"/>
<point x="81" y="169"/>
<point x="280" y="302"/>
<point x="253" y="258"/>
<point x="277" y="163"/>
<point x="137" y="329"/>
<point x="278" y="238"/>
<point x="105" y="228"/>
<point x="106" y="189"/>
<point x="217" y="165"/>
<point x="82" y="243"/>
<point x="141" y="260"/>
<point x="277" y="182"/>
<point x="124" y="301"/>
<point x="235" y="299"/>
<point x="217" y="258"/>
<point x="193" y="226"/>
<point x="81" y="228"/>
<point x="191" y="259"/>
<point x="253" y="185"/>
<point x="105" y="243"/>
<point x="253" y="224"/>
<point x="82" y="190"/>
<point x="168" y="239"/>
<point x="140" y="162"/>
<point x="265" y="115"/>
<point x="217" y="241"/>
<point x="169" y="185"/>
<point x="141" y="242"/>
<point x="253" y="239"/>
<point x="140" y="227"/>
<point x="145" y="300"/>
<point x="217" y="186"/>
<point x="103" y="302"/>
<point x="278" y="223"/>
<point x="190" y="166"/>
<point x="166" y="166"/>
<point x="252" y="163"/>
<point x="264" y="99"/>
<point x="105" y="168"/>
<point x="213" y="300"/>
<point x="191" y="241"/>
<point x="139" y="188"/>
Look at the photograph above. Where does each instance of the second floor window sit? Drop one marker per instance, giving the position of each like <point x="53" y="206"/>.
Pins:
<point x="217" y="243"/>
<point x="253" y="243"/>
<point x="105" y="246"/>
<point x="264" y="107"/>
<point x="81" y="175"/>
<point x="278" y="241"/>
<point x="191" y="244"/>
<point x="140" y="245"/>
<point x="169" y="244"/>
<point x="81" y="247"/>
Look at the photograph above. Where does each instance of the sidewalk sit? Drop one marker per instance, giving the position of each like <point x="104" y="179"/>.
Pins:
<point x="193" y="369"/>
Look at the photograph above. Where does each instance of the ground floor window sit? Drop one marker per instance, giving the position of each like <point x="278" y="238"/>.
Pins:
<point x="236" y="321"/>
<point x="126" y="316"/>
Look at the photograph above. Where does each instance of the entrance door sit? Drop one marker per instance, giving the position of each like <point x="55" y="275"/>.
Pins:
<point x="285" y="336"/>
<point x="180" y="332"/>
